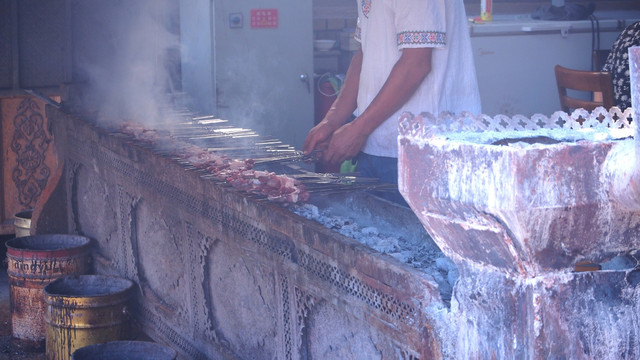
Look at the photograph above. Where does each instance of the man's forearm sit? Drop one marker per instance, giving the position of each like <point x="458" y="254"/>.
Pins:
<point x="406" y="76"/>
<point x="346" y="102"/>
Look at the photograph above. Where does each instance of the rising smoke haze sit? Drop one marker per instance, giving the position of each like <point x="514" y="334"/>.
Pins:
<point x="124" y="55"/>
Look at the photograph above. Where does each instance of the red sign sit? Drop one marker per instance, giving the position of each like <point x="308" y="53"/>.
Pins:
<point x="264" y="18"/>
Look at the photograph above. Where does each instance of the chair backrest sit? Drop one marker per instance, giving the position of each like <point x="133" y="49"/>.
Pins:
<point x="589" y="81"/>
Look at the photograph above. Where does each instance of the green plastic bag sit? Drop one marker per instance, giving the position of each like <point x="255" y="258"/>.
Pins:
<point x="347" y="167"/>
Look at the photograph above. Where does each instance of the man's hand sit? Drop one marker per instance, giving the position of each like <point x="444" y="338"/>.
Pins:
<point x="318" y="138"/>
<point x="345" y="144"/>
<point x="340" y="111"/>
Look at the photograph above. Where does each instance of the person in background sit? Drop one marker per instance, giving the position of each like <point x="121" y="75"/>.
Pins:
<point x="415" y="55"/>
<point x="617" y="64"/>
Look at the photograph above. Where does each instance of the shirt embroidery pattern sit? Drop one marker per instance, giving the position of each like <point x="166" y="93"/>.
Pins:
<point x="366" y="7"/>
<point x="422" y="37"/>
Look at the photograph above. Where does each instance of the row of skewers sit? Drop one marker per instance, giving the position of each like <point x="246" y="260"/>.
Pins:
<point x="240" y="158"/>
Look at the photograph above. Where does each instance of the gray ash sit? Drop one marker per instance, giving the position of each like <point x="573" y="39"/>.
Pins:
<point x="411" y="250"/>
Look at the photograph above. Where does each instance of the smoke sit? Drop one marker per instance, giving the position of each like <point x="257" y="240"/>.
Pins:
<point x="126" y="53"/>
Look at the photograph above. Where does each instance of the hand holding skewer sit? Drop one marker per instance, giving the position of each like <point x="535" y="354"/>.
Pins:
<point x="313" y="156"/>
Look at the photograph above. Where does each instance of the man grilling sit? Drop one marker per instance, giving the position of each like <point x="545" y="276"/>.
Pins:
<point x="415" y="56"/>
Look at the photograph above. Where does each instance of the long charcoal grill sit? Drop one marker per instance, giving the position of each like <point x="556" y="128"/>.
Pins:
<point x="227" y="275"/>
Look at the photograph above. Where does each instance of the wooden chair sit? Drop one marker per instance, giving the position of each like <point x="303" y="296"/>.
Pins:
<point x="596" y="82"/>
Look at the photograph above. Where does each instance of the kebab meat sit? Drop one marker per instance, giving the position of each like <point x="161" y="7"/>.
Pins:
<point x="237" y="173"/>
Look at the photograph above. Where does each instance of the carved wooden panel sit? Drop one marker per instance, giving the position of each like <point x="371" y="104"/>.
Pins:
<point x="27" y="157"/>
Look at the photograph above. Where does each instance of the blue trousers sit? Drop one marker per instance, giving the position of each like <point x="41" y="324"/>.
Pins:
<point x="385" y="169"/>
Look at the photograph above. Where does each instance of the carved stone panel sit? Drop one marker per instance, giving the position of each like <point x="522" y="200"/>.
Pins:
<point x="160" y="255"/>
<point x="93" y="199"/>
<point x="243" y="294"/>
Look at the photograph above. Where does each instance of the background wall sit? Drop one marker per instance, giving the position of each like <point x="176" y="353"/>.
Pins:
<point x="515" y="67"/>
<point x="527" y="6"/>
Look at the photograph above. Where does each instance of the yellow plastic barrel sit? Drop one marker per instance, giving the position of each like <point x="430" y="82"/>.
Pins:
<point x="125" y="350"/>
<point x="22" y="223"/>
<point x="84" y="310"/>
<point x="34" y="262"/>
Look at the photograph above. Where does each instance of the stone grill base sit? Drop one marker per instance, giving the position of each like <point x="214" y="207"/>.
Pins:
<point x="226" y="276"/>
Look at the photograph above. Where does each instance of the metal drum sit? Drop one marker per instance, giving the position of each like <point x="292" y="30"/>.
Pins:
<point x="34" y="262"/>
<point x="85" y="310"/>
<point x="22" y="223"/>
<point x="125" y="350"/>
